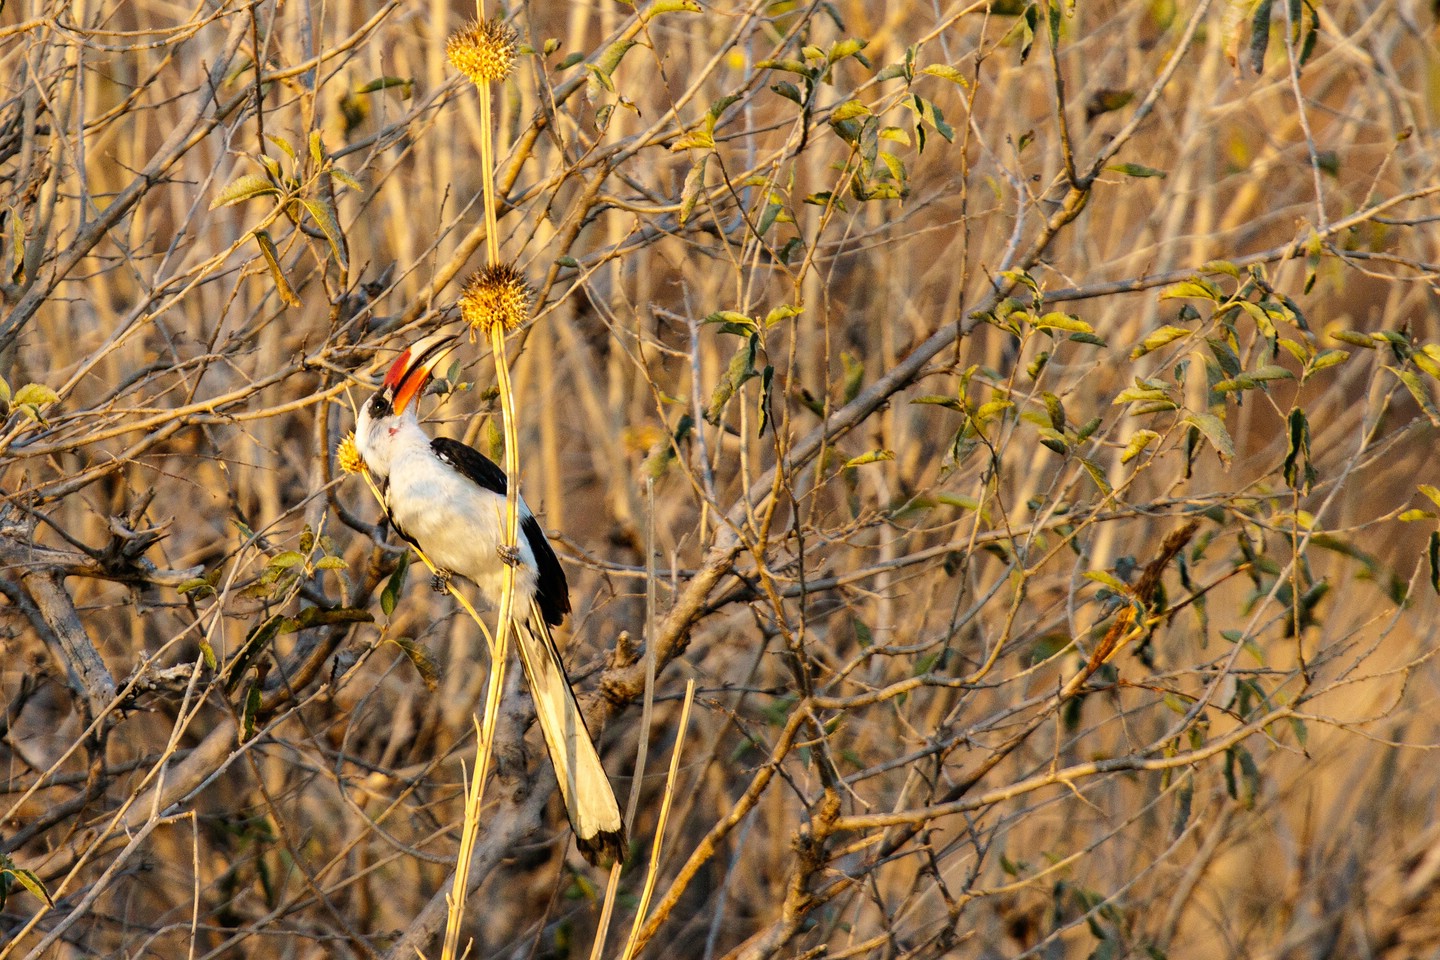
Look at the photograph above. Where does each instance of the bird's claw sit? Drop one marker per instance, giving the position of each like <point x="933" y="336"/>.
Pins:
<point x="440" y="583"/>
<point x="509" y="554"/>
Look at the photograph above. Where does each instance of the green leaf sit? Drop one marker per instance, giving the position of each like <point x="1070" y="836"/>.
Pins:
<point x="1260" y="35"/>
<point x="343" y="177"/>
<point x="1298" y="451"/>
<point x="693" y="140"/>
<point x="848" y="110"/>
<point x="741" y="369"/>
<point x="1354" y="337"/>
<point x="406" y="85"/>
<point x="1326" y="359"/>
<point x="1220" y="266"/>
<point x="1431" y="492"/>
<point x="605" y="65"/>
<point x="928" y="114"/>
<point x="894" y="134"/>
<point x="1433" y="554"/>
<point x="946" y="72"/>
<point x="1142" y="391"/>
<point x="1214" y="430"/>
<point x="1097" y="476"/>
<point x="1417" y="390"/>
<point x="958" y="500"/>
<point x="199" y="585"/>
<point x="423" y="662"/>
<point x="35" y="395"/>
<point x="16" y="238"/>
<point x="1137" y="444"/>
<point x="1270" y="371"/>
<point x="324" y="216"/>
<point x="255" y="642"/>
<point x="668" y="6"/>
<point x="732" y="321"/>
<point x="1410" y="516"/>
<point x="783" y="312"/>
<point x="1426" y="363"/>
<point x="718" y="108"/>
<point x="390" y="595"/>
<point x="1157" y="339"/>
<point x="767" y="376"/>
<point x="244" y="188"/>
<point x="1250" y="777"/>
<point x="768" y="217"/>
<point x="937" y="400"/>
<point x="1196" y="288"/>
<point x="848" y="47"/>
<point x="1055" y="410"/>
<point x="874" y="456"/>
<point x="277" y="275"/>
<point x="1137" y="170"/>
<point x="252" y="709"/>
<point x="991" y="409"/>
<point x="1108" y="579"/>
<point x="1235" y="385"/>
<point x="289" y="558"/>
<point x="789" y="91"/>
<point x="1062" y="321"/>
<point x="331" y="563"/>
<point x="854" y="368"/>
<point x="284" y="145"/>
<point x="9" y="873"/>
<point x="694" y="186"/>
<point x="788" y="65"/>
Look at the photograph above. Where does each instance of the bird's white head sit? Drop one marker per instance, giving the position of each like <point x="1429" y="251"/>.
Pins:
<point x="392" y="408"/>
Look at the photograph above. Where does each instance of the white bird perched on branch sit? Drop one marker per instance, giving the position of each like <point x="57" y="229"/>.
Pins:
<point x="448" y="499"/>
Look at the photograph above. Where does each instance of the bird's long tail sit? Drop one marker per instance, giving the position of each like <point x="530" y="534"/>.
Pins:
<point x="589" y="800"/>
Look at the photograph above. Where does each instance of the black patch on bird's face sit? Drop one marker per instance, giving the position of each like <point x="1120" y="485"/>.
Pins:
<point x="379" y="406"/>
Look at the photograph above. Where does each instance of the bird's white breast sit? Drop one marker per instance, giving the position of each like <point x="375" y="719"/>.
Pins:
<point x="459" y="524"/>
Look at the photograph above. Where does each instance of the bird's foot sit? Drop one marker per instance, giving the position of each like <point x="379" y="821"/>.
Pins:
<point x="509" y="555"/>
<point x="440" y="583"/>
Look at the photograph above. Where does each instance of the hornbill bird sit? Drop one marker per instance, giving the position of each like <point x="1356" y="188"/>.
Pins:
<point x="448" y="499"/>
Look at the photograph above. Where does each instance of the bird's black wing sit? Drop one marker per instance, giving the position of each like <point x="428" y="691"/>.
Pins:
<point x="470" y="462"/>
<point x="552" y="593"/>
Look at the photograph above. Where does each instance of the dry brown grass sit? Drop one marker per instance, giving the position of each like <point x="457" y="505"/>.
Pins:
<point x="920" y="729"/>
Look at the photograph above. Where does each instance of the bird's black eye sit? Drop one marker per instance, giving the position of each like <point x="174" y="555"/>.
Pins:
<point x="379" y="406"/>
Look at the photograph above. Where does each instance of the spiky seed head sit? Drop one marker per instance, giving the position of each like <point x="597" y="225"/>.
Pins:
<point x="497" y="295"/>
<point x="348" y="455"/>
<point x="483" y="50"/>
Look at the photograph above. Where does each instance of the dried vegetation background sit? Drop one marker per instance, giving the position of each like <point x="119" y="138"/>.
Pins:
<point x="1007" y="413"/>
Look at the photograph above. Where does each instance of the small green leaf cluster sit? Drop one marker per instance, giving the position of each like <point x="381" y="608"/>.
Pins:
<point x="28" y="400"/>
<point x="743" y="365"/>
<point x="12" y="876"/>
<point x="302" y="190"/>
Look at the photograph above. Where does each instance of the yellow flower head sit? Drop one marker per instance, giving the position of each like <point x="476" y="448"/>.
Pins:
<point x="497" y="295"/>
<point x="348" y="455"/>
<point x="483" y="50"/>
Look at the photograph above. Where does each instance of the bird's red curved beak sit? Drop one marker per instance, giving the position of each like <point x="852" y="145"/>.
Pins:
<point x="414" y="368"/>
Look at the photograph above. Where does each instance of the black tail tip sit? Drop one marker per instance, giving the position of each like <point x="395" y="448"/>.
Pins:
<point x="604" y="848"/>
